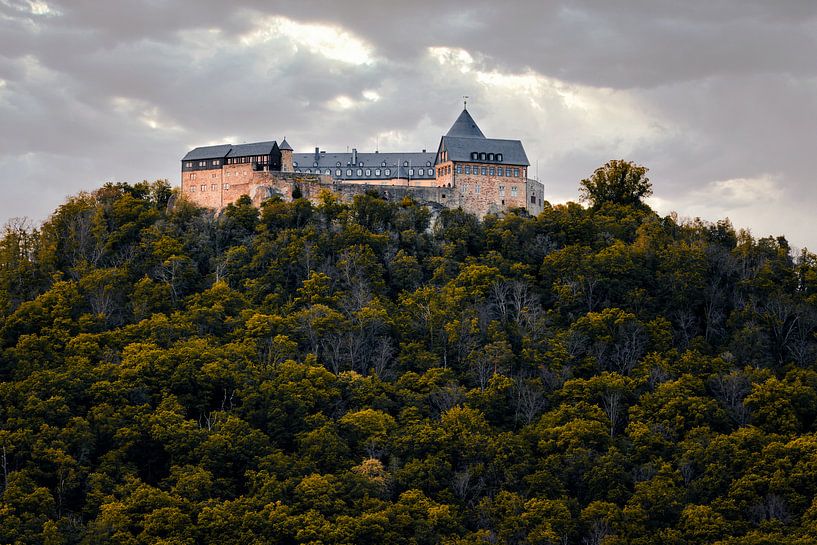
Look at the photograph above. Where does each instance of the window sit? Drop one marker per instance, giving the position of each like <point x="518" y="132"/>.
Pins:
<point x="295" y="163"/>
<point x="482" y="156"/>
<point x="193" y="175"/>
<point x="490" y="156"/>
<point x="484" y="171"/>
<point x="337" y="164"/>
<point x="189" y="164"/>
<point x="533" y="199"/>
<point x="459" y="169"/>
<point x="474" y="155"/>
<point x="348" y="171"/>
<point x="216" y="162"/>
<point x="405" y="163"/>
<point x="468" y="169"/>
<point x="411" y="172"/>
<point x="338" y="172"/>
<point x="383" y="164"/>
<point x="516" y="172"/>
<point x="327" y="172"/>
<point x="192" y="189"/>
<point x="377" y="172"/>
<point x="502" y="191"/>
<point x="360" y="172"/>
<point x="430" y="172"/>
<point x="226" y="186"/>
<point x="213" y="175"/>
<point x="387" y="172"/>
<point x="513" y="191"/>
<point x="212" y="187"/>
<point x="499" y="157"/>
<point x="478" y="188"/>
<point x="309" y="171"/>
<point x="203" y="187"/>
<point x="428" y="163"/>
<point x="491" y="171"/>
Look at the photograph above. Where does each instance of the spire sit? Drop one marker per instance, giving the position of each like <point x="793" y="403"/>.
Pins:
<point x="285" y="145"/>
<point x="465" y="127"/>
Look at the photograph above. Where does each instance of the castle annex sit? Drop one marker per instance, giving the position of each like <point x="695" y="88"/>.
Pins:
<point x="470" y="171"/>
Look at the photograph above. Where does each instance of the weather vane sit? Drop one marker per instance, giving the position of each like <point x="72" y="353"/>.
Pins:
<point x="465" y="102"/>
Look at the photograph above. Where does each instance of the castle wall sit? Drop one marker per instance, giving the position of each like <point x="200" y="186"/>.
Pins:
<point x="486" y="194"/>
<point x="475" y="193"/>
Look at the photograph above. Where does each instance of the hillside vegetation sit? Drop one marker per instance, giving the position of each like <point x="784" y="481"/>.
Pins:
<point x="354" y="374"/>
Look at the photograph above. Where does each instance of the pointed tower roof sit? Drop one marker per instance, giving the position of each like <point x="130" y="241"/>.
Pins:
<point x="285" y="145"/>
<point x="465" y="127"/>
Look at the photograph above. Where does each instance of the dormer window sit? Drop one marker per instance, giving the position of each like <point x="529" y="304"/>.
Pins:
<point x="428" y="163"/>
<point x="295" y="163"/>
<point x="337" y="164"/>
<point x="315" y="164"/>
<point x="405" y="163"/>
<point x="482" y="156"/>
<point x="383" y="164"/>
<point x="499" y="157"/>
<point x="490" y="156"/>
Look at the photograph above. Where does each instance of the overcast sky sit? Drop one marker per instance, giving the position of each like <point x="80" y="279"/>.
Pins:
<point x="717" y="97"/>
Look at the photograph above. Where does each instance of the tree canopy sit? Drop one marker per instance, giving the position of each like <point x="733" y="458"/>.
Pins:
<point x="617" y="182"/>
<point x="367" y="372"/>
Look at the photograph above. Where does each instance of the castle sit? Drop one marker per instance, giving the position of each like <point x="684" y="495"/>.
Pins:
<point x="470" y="171"/>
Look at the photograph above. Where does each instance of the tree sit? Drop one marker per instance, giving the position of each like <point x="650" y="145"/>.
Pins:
<point x="617" y="182"/>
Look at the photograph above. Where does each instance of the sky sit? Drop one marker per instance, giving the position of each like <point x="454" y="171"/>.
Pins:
<point x="718" y="98"/>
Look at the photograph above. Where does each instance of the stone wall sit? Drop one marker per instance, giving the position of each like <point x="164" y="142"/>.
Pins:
<point x="474" y="193"/>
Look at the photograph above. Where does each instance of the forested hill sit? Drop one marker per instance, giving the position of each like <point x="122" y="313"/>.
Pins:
<point x="353" y="374"/>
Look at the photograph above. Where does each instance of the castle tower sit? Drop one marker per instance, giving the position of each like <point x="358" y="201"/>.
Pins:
<point x="286" y="156"/>
<point x="486" y="175"/>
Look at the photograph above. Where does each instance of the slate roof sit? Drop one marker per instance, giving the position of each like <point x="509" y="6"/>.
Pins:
<point x="208" y="152"/>
<point x="253" y="148"/>
<point x="460" y="149"/>
<point x="285" y="145"/>
<point x="394" y="162"/>
<point x="465" y="127"/>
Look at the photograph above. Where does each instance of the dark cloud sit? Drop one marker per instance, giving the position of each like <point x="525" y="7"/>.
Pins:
<point x="718" y="98"/>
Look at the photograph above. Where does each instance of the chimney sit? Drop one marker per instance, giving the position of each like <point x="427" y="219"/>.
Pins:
<point x="354" y="156"/>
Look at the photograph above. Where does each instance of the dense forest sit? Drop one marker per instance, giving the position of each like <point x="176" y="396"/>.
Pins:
<point x="375" y="373"/>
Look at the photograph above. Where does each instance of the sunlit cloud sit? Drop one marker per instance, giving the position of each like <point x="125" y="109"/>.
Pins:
<point x="329" y="41"/>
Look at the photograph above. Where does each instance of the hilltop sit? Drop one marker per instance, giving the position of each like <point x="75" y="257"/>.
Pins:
<point x="350" y="373"/>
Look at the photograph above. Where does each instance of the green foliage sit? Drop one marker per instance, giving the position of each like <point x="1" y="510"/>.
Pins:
<point x="617" y="182"/>
<point x="367" y="373"/>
